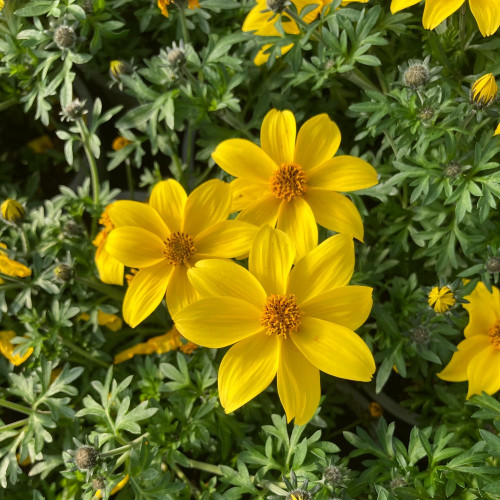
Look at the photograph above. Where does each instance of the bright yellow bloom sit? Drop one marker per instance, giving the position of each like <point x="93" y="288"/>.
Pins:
<point x="484" y="90"/>
<point x="293" y="182"/>
<point x="11" y="267"/>
<point x="286" y="323"/>
<point x="12" y="211"/>
<point x="41" y="144"/>
<point x="163" y="343"/>
<point x="486" y="12"/>
<point x="119" y="143"/>
<point x="162" y="4"/>
<point x="116" y="489"/>
<point x="497" y="130"/>
<point x="166" y="237"/>
<point x="110" y="270"/>
<point x="478" y="356"/>
<point x="111" y="321"/>
<point x="441" y="299"/>
<point x="7" y="348"/>
<point x="116" y="68"/>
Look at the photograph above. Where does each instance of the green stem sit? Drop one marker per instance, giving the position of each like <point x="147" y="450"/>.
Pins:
<point x="24" y="240"/>
<point x="175" y="159"/>
<point x="127" y="447"/>
<point x="130" y="178"/>
<point x="185" y="33"/>
<point x="356" y="76"/>
<point x="14" y="425"/>
<point x="347" y="427"/>
<point x="462" y="25"/>
<point x="300" y="22"/>
<point x="101" y="287"/>
<point x="15" y="407"/>
<point x="192" y="488"/>
<point x="82" y="352"/>
<point x="233" y="123"/>
<point x="391" y="142"/>
<point x="381" y="79"/>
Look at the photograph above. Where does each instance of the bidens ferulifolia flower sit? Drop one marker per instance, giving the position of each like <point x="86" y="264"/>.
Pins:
<point x="166" y="237"/>
<point x="286" y="322"/>
<point x="292" y="181"/>
<point x="11" y="267"/>
<point x="484" y="90"/>
<point x="441" y="299"/>
<point x="7" y="348"/>
<point x="486" y="12"/>
<point x="478" y="356"/>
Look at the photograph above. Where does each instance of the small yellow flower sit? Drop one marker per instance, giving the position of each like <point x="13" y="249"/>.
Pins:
<point x="284" y="322"/>
<point x="116" y="489"/>
<point x="292" y="180"/>
<point x="162" y="4"/>
<point x="2" y="3"/>
<point x="478" y="356"/>
<point x="119" y="143"/>
<point x="12" y="211"/>
<point x="486" y="12"/>
<point x="497" y="131"/>
<point x="117" y="68"/>
<point x="111" y="321"/>
<point x="484" y="90"/>
<point x="163" y="343"/>
<point x="169" y="235"/>
<point x="7" y="348"/>
<point x="41" y="144"/>
<point x="376" y="411"/>
<point x="11" y="267"/>
<point x="441" y="299"/>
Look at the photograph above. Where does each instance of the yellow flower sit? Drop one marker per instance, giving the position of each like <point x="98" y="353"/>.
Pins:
<point x="162" y="4"/>
<point x="484" y="90"/>
<point x="293" y="182"/>
<point x="486" y="12"/>
<point x="166" y="237"/>
<point x="119" y="143"/>
<point x="111" y="321"/>
<point x="441" y="299"/>
<point x="110" y="270"/>
<point x="7" y="348"/>
<point x="11" y="267"/>
<point x="376" y="411"/>
<point x="41" y="144"/>
<point x="163" y="343"/>
<point x="12" y="211"/>
<point x="478" y="356"/>
<point x="286" y="323"/>
<point x="116" y="68"/>
<point x="2" y="3"/>
<point x="497" y="131"/>
<point x="116" y="489"/>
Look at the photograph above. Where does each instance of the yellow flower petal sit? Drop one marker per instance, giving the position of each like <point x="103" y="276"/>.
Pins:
<point x="297" y="220"/>
<point x="116" y="489"/>
<point x="244" y="193"/>
<point x="483" y="308"/>
<point x="110" y="270"/>
<point x="258" y="20"/>
<point x="397" y="5"/>
<point x="330" y="265"/>
<point x="242" y="158"/>
<point x="348" y="306"/>
<point x="298" y="384"/>
<point x="456" y="369"/>
<point x="262" y="56"/>
<point x="310" y="16"/>
<point x="133" y="213"/>
<point x="135" y="246"/>
<point x="271" y="259"/>
<point x="126" y="354"/>
<point x="342" y="173"/>
<point x="111" y="321"/>
<point x="7" y="348"/>
<point x="222" y="278"/>
<point x="247" y="369"/>
<point x="218" y="321"/>
<point x="317" y="141"/>
<point x="180" y="292"/>
<point x="497" y="130"/>
<point x="483" y="373"/>
<point x="206" y="205"/>
<point x="436" y="11"/>
<point x="487" y="14"/>
<point x="168" y="198"/>
<point x="145" y="292"/>
<point x="277" y="135"/>
<point x="336" y="212"/>
<point x="262" y="211"/>
<point x="227" y="239"/>
<point x="334" y="349"/>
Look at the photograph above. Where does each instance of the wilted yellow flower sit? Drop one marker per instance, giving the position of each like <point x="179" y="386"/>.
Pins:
<point x="111" y="321"/>
<point x="169" y="235"/>
<point x="12" y="211"/>
<point x="163" y="343"/>
<point x="116" y="489"/>
<point x="292" y="181"/>
<point x="11" y="267"/>
<point x="162" y="4"/>
<point x="486" y="12"/>
<point x="110" y="270"/>
<point x="119" y="143"/>
<point x="497" y="131"/>
<point x="441" y="299"/>
<point x="284" y="322"/>
<point x="7" y="348"/>
<point x="484" y="90"/>
<point x="478" y="356"/>
<point x="41" y="144"/>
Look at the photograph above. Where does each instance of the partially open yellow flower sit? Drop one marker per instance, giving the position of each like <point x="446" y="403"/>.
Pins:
<point x="484" y="90"/>
<point x="486" y="12"/>
<point x="166" y="237"/>
<point x="119" y="143"/>
<point x="292" y="181"/>
<point x="478" y="356"/>
<point x="162" y="5"/>
<point x="116" y="489"/>
<point x="7" y="348"/>
<point x="12" y="211"/>
<point x="111" y="321"/>
<point x="11" y="267"/>
<point x="441" y="299"/>
<point x="284" y="322"/>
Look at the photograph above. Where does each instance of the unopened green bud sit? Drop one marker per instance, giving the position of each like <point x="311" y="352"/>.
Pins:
<point x="64" y="272"/>
<point x="86" y="457"/>
<point x="493" y="265"/>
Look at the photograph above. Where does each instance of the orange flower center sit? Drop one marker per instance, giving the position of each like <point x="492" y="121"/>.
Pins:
<point x="105" y="221"/>
<point x="494" y="333"/>
<point x="179" y="248"/>
<point x="281" y="315"/>
<point x="288" y="181"/>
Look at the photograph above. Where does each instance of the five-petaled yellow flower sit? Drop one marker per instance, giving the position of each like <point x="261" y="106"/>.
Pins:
<point x="441" y="299"/>
<point x="11" y="267"/>
<point x="292" y="181"/>
<point x="166" y="237"/>
<point x="162" y="5"/>
<point x="486" y="12"/>
<point x="484" y="90"/>
<point x="286" y="322"/>
<point x="7" y="348"/>
<point x="478" y="357"/>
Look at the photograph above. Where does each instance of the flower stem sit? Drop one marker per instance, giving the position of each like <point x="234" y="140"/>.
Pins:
<point x="130" y="178"/>
<point x="82" y="352"/>
<point x="15" y="407"/>
<point x="185" y="33"/>
<point x="14" y="425"/>
<point x="358" y="78"/>
<point x="127" y="447"/>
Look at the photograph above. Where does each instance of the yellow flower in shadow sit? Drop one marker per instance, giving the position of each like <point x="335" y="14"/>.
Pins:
<point x="7" y="348"/>
<point x="111" y="321"/>
<point x="11" y="267"/>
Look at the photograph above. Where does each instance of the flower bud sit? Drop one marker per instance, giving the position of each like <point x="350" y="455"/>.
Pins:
<point x="426" y="114"/>
<point x="73" y="111"/>
<point x="493" y="265"/>
<point x="484" y="91"/>
<point x="64" y="37"/>
<point x="417" y="75"/>
<point x="64" y="272"/>
<point x="98" y="483"/>
<point x="118" y="68"/>
<point x="86" y="457"/>
<point x="397" y="482"/>
<point x="453" y="169"/>
<point x="420" y="335"/>
<point x="12" y="211"/>
<point x="277" y="6"/>
<point x="333" y="475"/>
<point x="176" y="55"/>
